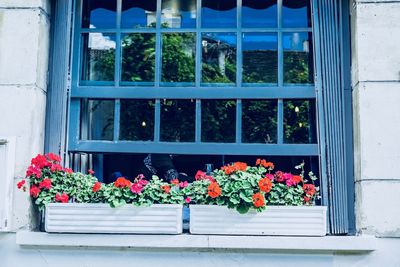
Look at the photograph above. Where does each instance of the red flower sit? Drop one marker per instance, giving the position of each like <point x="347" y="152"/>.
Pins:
<point x="307" y="200"/>
<point x="62" y="198"/>
<point x="175" y="181"/>
<point x="188" y="199"/>
<point x="258" y="200"/>
<point x="34" y="191"/>
<point x="166" y="188"/>
<point x="199" y="175"/>
<point x="265" y="164"/>
<point x="53" y="157"/>
<point x="40" y="161"/>
<point x="96" y="187"/>
<point x="293" y="180"/>
<point x="214" y="190"/>
<point x="90" y="171"/>
<point x="279" y="177"/>
<point x="33" y="171"/>
<point x="265" y="185"/>
<point x="56" y="168"/>
<point x="68" y="170"/>
<point x="121" y="182"/>
<point x="46" y="183"/>
<point x="21" y="184"/>
<point x="309" y="189"/>
<point x="237" y="166"/>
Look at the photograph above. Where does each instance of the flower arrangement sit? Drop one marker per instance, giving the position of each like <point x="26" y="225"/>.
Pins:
<point x="237" y="186"/>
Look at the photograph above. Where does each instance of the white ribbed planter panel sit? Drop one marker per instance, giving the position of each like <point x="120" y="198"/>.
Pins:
<point x="101" y="218"/>
<point x="275" y="220"/>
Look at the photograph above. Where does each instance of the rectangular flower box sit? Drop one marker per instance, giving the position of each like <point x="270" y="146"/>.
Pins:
<point x="275" y="220"/>
<point x="101" y="218"/>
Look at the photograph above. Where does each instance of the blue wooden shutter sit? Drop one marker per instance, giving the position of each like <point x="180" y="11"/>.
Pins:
<point x="330" y="20"/>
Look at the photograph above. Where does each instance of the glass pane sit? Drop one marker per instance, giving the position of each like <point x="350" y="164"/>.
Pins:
<point x="299" y="121"/>
<point x="178" y="57"/>
<point x="97" y="119"/>
<point x="259" y="121"/>
<point x="98" y="57"/>
<point x="218" y="121"/>
<point x="178" y="13"/>
<point x="218" y="58"/>
<point x="218" y="13"/>
<point x="260" y="58"/>
<point x="99" y="14"/>
<point x="138" y="57"/>
<point x="259" y="13"/>
<point x="178" y="120"/>
<point x="138" y="14"/>
<point x="296" y="13"/>
<point x="298" y="58"/>
<point x="137" y="120"/>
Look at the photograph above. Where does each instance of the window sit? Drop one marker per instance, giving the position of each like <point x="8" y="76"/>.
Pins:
<point x="214" y="80"/>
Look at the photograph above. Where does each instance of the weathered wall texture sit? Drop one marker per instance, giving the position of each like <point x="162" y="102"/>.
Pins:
<point x="24" y="48"/>
<point x="376" y="94"/>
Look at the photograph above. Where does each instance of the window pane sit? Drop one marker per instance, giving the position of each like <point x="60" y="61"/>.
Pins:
<point x="218" y="121"/>
<point x="98" y="57"/>
<point x="218" y="58"/>
<point x="137" y="120"/>
<point x="178" y="57"/>
<point x="260" y="58"/>
<point x="297" y="58"/>
<point x="138" y="14"/>
<point x="178" y="13"/>
<point x="97" y="119"/>
<point x="178" y="120"/>
<point x="259" y="121"/>
<point x="218" y="13"/>
<point x="138" y="57"/>
<point x="99" y="14"/>
<point x="299" y="121"/>
<point x="259" y="13"/>
<point x="296" y="13"/>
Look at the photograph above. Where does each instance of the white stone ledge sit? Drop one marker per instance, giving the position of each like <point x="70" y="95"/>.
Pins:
<point x="349" y="244"/>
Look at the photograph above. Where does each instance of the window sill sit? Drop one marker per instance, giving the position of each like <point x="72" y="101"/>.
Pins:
<point x="349" y="244"/>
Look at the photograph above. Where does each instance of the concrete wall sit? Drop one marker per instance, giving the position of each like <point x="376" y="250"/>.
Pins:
<point x="376" y="94"/>
<point x="24" y="48"/>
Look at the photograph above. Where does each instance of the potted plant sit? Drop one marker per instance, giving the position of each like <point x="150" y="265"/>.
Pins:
<point x="244" y="200"/>
<point x="78" y="203"/>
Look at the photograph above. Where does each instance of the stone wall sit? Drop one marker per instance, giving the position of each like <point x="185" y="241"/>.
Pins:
<point x="376" y="96"/>
<point x="24" y="48"/>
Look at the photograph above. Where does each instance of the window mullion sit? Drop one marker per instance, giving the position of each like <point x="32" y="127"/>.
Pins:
<point x="157" y="121"/>
<point x="158" y="46"/>
<point x="280" y="121"/>
<point x="239" y="121"/>
<point x="117" y="116"/>
<point x="198" y="121"/>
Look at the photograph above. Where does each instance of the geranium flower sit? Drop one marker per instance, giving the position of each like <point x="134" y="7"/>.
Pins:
<point x="40" y="161"/>
<point x="187" y="200"/>
<point x="258" y="200"/>
<point x="33" y="171"/>
<point x="56" y="167"/>
<point x="68" y="170"/>
<point x="269" y="176"/>
<point x="46" y="183"/>
<point x="309" y="189"/>
<point x="214" y="190"/>
<point x="199" y="175"/>
<point x="166" y="188"/>
<point x="175" y="181"/>
<point x="265" y="185"/>
<point x="143" y="182"/>
<point x="121" y="182"/>
<point x="90" y="171"/>
<point x="62" y="198"/>
<point x="183" y="184"/>
<point x="136" y="188"/>
<point x="21" y="184"/>
<point x="307" y="200"/>
<point x="293" y="180"/>
<point x="34" y="191"/>
<point x="237" y="166"/>
<point x="96" y="187"/>
<point x="265" y="164"/>
<point x="279" y="177"/>
<point x="53" y="157"/>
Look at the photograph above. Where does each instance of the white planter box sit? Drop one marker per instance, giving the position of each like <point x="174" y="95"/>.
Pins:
<point x="101" y="218"/>
<point x="275" y="220"/>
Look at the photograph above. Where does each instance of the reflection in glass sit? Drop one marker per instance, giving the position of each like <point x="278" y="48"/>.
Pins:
<point x="259" y="121"/>
<point x="297" y="58"/>
<point x="178" y="57"/>
<point x="98" y="56"/>
<point x="218" y="58"/>
<point x="99" y="14"/>
<point x="97" y="119"/>
<point x="178" y="13"/>
<point x="137" y="120"/>
<point x="259" y="13"/>
<point x="138" y="14"/>
<point x="260" y="58"/>
<point x="177" y="120"/>
<point x="138" y="57"/>
<point x="296" y="13"/>
<point x="299" y="121"/>
<point x="218" y="13"/>
<point x="218" y="121"/>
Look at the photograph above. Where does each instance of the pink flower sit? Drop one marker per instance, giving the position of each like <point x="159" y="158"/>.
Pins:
<point x="90" y="171"/>
<point x="199" y="175"/>
<point x="56" y="167"/>
<point x="140" y="177"/>
<point x="143" y="182"/>
<point x="188" y="199"/>
<point x="137" y="188"/>
<point x="62" y="198"/>
<point x="68" y="170"/>
<point x="33" y="171"/>
<point x="183" y="184"/>
<point x="53" y="157"/>
<point x="46" y="183"/>
<point x="269" y="176"/>
<point x="34" y="191"/>
<point x="21" y="184"/>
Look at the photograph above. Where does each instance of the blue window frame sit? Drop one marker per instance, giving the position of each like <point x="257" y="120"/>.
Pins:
<point x="264" y="61"/>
